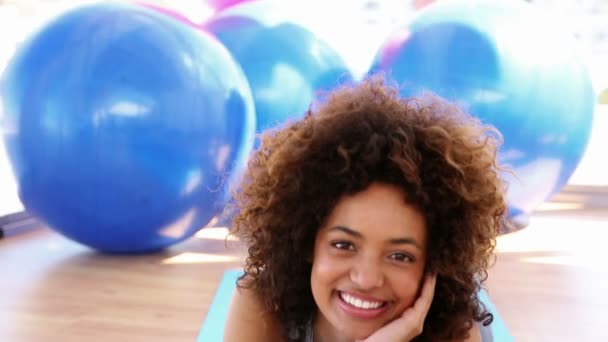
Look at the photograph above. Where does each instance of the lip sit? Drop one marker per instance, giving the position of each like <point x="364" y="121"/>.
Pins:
<point x="363" y="297"/>
<point x="360" y="313"/>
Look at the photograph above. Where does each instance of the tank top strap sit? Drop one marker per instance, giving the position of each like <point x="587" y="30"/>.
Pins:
<point x="303" y="333"/>
<point x="310" y="333"/>
<point x="486" y="333"/>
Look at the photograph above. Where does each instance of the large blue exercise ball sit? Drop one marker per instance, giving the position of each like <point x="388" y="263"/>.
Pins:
<point x="511" y="66"/>
<point x="123" y="125"/>
<point x="286" y="64"/>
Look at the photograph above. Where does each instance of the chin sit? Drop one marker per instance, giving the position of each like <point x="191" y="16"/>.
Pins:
<point x="361" y="333"/>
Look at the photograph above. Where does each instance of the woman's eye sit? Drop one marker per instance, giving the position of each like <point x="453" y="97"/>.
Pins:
<point x="345" y="245"/>
<point x="402" y="257"/>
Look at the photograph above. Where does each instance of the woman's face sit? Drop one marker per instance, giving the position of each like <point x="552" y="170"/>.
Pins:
<point x="368" y="262"/>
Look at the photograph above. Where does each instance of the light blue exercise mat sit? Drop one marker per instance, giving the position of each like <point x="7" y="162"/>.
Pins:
<point x="213" y="328"/>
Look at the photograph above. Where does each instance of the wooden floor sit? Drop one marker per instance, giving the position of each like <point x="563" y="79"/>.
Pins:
<point x="55" y="290"/>
<point x="549" y="283"/>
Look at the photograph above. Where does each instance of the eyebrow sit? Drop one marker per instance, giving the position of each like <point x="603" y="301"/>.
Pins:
<point x="394" y="241"/>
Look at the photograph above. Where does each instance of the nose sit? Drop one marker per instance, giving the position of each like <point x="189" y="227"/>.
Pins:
<point x="366" y="273"/>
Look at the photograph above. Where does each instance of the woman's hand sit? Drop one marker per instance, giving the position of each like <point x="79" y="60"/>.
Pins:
<point x="411" y="322"/>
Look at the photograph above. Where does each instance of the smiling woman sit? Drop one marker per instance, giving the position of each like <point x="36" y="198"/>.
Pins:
<point x="368" y="262"/>
<point x="372" y="218"/>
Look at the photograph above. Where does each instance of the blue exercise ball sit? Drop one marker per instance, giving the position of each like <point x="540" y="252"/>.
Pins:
<point x="511" y="66"/>
<point x="123" y="125"/>
<point x="285" y="63"/>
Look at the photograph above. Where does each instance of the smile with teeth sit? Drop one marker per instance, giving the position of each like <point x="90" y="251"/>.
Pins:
<point x="359" y="303"/>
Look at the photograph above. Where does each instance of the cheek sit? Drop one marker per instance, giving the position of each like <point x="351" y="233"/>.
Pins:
<point x="405" y="285"/>
<point x="326" y="271"/>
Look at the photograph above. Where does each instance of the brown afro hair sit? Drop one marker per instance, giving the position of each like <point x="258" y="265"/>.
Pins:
<point x="443" y="159"/>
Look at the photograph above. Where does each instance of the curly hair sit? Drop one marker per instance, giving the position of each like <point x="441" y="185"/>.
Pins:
<point x="443" y="159"/>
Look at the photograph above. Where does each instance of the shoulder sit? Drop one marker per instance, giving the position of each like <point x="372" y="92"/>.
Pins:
<point x="249" y="321"/>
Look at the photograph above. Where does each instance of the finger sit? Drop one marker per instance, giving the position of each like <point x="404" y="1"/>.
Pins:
<point x="415" y="316"/>
<point x="423" y="304"/>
